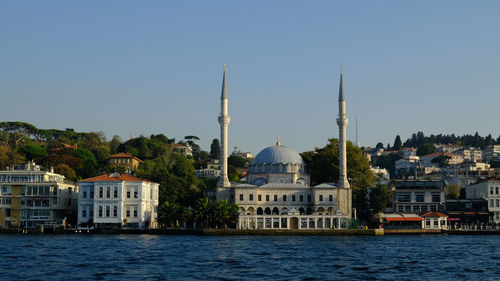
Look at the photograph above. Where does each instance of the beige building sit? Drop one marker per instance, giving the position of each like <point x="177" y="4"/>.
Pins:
<point x="30" y="197"/>
<point x="418" y="196"/>
<point x="124" y="160"/>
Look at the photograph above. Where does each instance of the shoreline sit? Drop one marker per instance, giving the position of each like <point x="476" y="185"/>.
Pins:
<point x="253" y="232"/>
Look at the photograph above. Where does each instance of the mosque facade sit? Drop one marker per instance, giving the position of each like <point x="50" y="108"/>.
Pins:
<point x="278" y="194"/>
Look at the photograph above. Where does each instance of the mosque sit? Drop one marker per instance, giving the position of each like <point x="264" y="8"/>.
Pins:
<point x="278" y="194"/>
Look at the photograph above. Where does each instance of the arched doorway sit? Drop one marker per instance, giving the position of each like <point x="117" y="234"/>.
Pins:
<point x="259" y="211"/>
<point x="251" y="211"/>
<point x="267" y="211"/>
<point x="294" y="223"/>
<point x="276" y="211"/>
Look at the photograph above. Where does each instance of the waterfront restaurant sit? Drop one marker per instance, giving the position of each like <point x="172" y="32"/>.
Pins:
<point x="401" y="221"/>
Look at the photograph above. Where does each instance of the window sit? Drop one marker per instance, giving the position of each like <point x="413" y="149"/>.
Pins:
<point x="293" y="198"/>
<point x="115" y="211"/>
<point x="7" y="213"/>
<point x="436" y="197"/>
<point x="267" y="197"/>
<point x="135" y="212"/>
<point x="403" y="197"/>
<point x="135" y="193"/>
<point x="496" y="190"/>
<point x="84" y="212"/>
<point x="491" y="190"/>
<point x="92" y="193"/>
<point x="308" y="198"/>
<point x="108" y="192"/>
<point x="435" y="223"/>
<point x="107" y="211"/>
<point x="419" y="197"/>
<point x="416" y="208"/>
<point x="428" y="222"/>
<point x="85" y="194"/>
<point x="259" y="197"/>
<point x="320" y="197"/>
<point x="241" y="197"/>
<point x="250" y="197"/>
<point x="497" y="203"/>
<point x="433" y="207"/>
<point x="128" y="192"/>
<point x="128" y="212"/>
<point x="275" y="198"/>
<point x="115" y="192"/>
<point x="491" y="203"/>
<point x="401" y="208"/>
<point x="284" y="198"/>
<point x="330" y="198"/>
<point x="91" y="212"/>
<point x="100" y="211"/>
<point x="301" y="198"/>
<point x="100" y="192"/>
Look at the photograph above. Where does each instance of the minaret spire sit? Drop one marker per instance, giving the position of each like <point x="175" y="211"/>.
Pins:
<point x="278" y="142"/>
<point x="342" y="123"/>
<point x="223" y="184"/>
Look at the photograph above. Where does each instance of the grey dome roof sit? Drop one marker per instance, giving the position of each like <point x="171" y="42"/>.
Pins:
<point x="277" y="154"/>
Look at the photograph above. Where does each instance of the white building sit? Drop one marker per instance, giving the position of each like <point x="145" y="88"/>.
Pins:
<point x="418" y="196"/>
<point x="278" y="193"/>
<point x="492" y="153"/>
<point x="118" y="200"/>
<point x="488" y="189"/>
<point x="447" y="147"/>
<point x="471" y="154"/>
<point x="435" y="220"/>
<point x="454" y="159"/>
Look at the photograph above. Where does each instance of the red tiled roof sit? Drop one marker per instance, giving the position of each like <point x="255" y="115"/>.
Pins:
<point x="124" y="155"/>
<point x="435" y="154"/>
<point x="118" y="177"/>
<point x="403" y="219"/>
<point x="434" y="215"/>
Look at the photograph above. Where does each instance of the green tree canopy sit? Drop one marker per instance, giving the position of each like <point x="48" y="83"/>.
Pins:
<point x="33" y="152"/>
<point x="215" y="149"/>
<point x="379" y="196"/>
<point x="397" y="143"/>
<point x="425" y="149"/>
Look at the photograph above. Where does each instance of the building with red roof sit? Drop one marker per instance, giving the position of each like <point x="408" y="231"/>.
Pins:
<point x="118" y="200"/>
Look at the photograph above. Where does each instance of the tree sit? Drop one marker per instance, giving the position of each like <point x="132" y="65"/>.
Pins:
<point x="170" y="214"/>
<point x="452" y="191"/>
<point x="388" y="162"/>
<point x="236" y="161"/>
<point x="323" y="164"/>
<point x="215" y="149"/>
<point x="66" y="171"/>
<point x="441" y="160"/>
<point x="397" y="143"/>
<point x="379" y="196"/>
<point x="115" y="144"/>
<point x="33" y="151"/>
<point x="425" y="149"/>
<point x="379" y="146"/>
<point x="88" y="167"/>
<point x="19" y="132"/>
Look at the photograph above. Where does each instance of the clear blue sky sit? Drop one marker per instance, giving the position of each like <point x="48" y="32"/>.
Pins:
<point x="144" y="67"/>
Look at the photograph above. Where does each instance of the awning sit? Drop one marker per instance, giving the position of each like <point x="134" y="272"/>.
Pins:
<point x="403" y="219"/>
<point x="453" y="219"/>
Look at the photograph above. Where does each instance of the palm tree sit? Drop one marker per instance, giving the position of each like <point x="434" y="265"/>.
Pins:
<point x="227" y="213"/>
<point x="204" y="212"/>
<point x="170" y="213"/>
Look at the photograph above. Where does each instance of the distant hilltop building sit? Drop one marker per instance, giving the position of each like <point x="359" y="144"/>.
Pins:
<point x="246" y="155"/>
<point x="211" y="170"/>
<point x="183" y="148"/>
<point x="116" y="201"/>
<point x="30" y="197"/>
<point x="278" y="192"/>
<point x="125" y="160"/>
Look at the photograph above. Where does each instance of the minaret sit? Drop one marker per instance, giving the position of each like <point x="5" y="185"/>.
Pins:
<point x="223" y="184"/>
<point x="342" y="122"/>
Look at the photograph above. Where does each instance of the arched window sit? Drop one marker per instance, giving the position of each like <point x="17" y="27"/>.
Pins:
<point x="276" y="211"/>
<point x="259" y="211"/>
<point x="302" y="211"/>
<point x="267" y="211"/>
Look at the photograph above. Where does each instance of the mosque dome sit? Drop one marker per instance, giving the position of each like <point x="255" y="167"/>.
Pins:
<point x="277" y="154"/>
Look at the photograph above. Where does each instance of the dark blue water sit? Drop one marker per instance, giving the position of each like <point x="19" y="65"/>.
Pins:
<point x="149" y="257"/>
